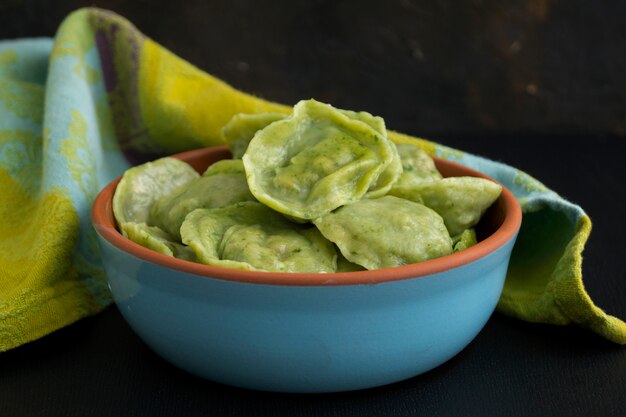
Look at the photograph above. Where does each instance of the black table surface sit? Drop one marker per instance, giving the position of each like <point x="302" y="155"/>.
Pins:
<point x="422" y="86"/>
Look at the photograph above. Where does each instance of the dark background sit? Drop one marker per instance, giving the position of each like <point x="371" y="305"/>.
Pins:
<point x="427" y="67"/>
<point x="537" y="84"/>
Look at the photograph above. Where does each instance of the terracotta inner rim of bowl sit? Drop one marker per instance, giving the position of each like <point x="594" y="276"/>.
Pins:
<point x="504" y="217"/>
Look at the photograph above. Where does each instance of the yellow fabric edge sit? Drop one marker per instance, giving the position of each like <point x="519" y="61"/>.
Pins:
<point x="31" y="322"/>
<point x="40" y="290"/>
<point x="569" y="293"/>
<point x="399" y="138"/>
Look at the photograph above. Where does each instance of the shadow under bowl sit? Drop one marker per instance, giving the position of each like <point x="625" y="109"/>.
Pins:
<point x="308" y="332"/>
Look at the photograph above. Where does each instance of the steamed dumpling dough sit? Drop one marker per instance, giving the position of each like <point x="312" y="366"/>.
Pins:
<point x="461" y="201"/>
<point x="390" y="175"/>
<point x="464" y="240"/>
<point x="417" y="166"/>
<point x="386" y="180"/>
<point x="344" y="265"/>
<point x="386" y="232"/>
<point x="154" y="238"/>
<point x="222" y="184"/>
<point x="241" y="129"/>
<point x="279" y="249"/>
<point x="143" y="185"/>
<point x="251" y="236"/>
<point x="316" y="160"/>
<point x="225" y="166"/>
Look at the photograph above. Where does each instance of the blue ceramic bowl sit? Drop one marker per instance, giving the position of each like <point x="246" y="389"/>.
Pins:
<point x="308" y="332"/>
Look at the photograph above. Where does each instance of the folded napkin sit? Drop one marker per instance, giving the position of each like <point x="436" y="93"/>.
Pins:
<point x="78" y="110"/>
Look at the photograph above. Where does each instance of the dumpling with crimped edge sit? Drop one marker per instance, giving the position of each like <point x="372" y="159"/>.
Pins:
<point x="222" y="184"/>
<point x="316" y="160"/>
<point x="240" y="130"/>
<point x="225" y="166"/>
<point x="386" y="232"/>
<point x="143" y="185"/>
<point x="465" y="240"/>
<point x="417" y="166"/>
<point x="250" y="236"/>
<point x="344" y="265"/>
<point x="390" y="175"/>
<point x="154" y="238"/>
<point x="460" y="201"/>
<point x="387" y="178"/>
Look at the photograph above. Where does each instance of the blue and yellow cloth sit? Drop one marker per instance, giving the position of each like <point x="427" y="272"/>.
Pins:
<point x="77" y="110"/>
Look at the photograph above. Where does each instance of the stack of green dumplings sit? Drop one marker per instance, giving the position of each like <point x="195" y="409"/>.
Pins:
<point x="321" y="190"/>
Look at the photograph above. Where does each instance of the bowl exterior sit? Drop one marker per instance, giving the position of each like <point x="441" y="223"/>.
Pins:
<point x="305" y="338"/>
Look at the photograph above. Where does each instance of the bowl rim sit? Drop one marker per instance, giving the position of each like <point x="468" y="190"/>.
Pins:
<point x="104" y="223"/>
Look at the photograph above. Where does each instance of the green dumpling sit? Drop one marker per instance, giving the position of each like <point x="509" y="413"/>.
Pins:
<point x="279" y="249"/>
<point x="344" y="265"/>
<point x="386" y="232"/>
<point x="154" y="238"/>
<point x="417" y="166"/>
<point x="465" y="240"/>
<point x="241" y="129"/>
<point x="390" y="175"/>
<point x="225" y="166"/>
<point x="222" y="184"/>
<point x="460" y="201"/>
<point x="143" y="185"/>
<point x="251" y="236"/>
<point x="375" y="122"/>
<point x="316" y="160"/>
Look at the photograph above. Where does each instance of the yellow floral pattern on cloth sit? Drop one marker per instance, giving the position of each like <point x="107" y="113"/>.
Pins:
<point x="21" y="152"/>
<point x="76" y="40"/>
<point x="81" y="166"/>
<point x="23" y="99"/>
<point x="528" y="183"/>
<point x="80" y="161"/>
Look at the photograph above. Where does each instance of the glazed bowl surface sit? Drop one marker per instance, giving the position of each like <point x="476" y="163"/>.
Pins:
<point x="307" y="332"/>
